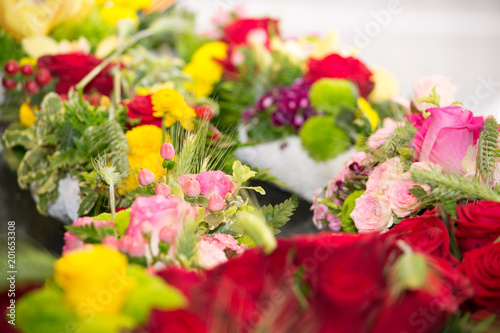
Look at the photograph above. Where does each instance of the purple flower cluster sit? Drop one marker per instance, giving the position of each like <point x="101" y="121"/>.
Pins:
<point x="291" y="106"/>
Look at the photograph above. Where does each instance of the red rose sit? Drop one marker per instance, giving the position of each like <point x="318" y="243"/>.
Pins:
<point x="346" y="276"/>
<point x="482" y="267"/>
<point x="336" y="66"/>
<point x="237" y="31"/>
<point x="478" y="224"/>
<point x="71" y="68"/>
<point x="181" y="278"/>
<point x="179" y="321"/>
<point x="426" y="233"/>
<point x="141" y="108"/>
<point x="426" y="310"/>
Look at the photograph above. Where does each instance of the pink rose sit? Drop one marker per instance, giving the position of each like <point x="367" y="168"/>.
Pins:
<point x="446" y="135"/>
<point x="210" y="254"/>
<point x="225" y="242"/>
<point x="423" y="88"/>
<point x="320" y="212"/>
<point x="215" y="182"/>
<point x="71" y="241"/>
<point x="384" y="174"/>
<point x="159" y="211"/>
<point x="401" y="201"/>
<point x="378" y="138"/>
<point x="372" y="213"/>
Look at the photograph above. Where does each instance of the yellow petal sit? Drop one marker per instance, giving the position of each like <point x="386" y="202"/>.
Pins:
<point x="367" y="110"/>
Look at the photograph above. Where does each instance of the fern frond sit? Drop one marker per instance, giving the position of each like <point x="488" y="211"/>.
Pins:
<point x="487" y="151"/>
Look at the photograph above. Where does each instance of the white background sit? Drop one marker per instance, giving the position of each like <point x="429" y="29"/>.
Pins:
<point x="410" y="38"/>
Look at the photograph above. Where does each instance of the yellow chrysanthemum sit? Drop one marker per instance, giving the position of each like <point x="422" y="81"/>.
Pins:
<point x="26" y="115"/>
<point x="111" y="15"/>
<point x="170" y="105"/>
<point x="144" y="142"/>
<point x="94" y="277"/>
<point x="150" y="90"/>
<point x="204" y="69"/>
<point x="386" y="85"/>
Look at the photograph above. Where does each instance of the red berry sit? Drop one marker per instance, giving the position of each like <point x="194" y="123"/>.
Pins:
<point x="26" y="70"/>
<point x="31" y="87"/>
<point x="9" y="84"/>
<point x="11" y="67"/>
<point x="215" y="203"/>
<point x="43" y="76"/>
<point x="167" y="151"/>
<point x="95" y="100"/>
<point x="146" y="177"/>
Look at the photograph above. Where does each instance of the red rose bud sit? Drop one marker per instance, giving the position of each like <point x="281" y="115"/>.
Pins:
<point x="26" y="70"/>
<point x="192" y="188"/>
<point x="9" y="84"/>
<point x="204" y="112"/>
<point x="167" y="151"/>
<point x="11" y="67"/>
<point x="167" y="234"/>
<point x="146" y="177"/>
<point x="31" y="87"/>
<point x="43" y="77"/>
<point x="95" y="100"/>
<point x="215" y="203"/>
<point x="162" y="189"/>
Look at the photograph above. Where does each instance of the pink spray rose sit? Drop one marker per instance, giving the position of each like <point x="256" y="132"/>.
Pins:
<point x="215" y="182"/>
<point x="71" y="241"/>
<point x="372" y="213"/>
<point x="210" y="254"/>
<point x="383" y="175"/>
<point x="225" y="242"/>
<point x="378" y="138"/>
<point x="423" y="87"/>
<point x="446" y="135"/>
<point x="401" y="201"/>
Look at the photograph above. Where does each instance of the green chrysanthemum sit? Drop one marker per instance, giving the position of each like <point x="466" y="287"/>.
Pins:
<point x="345" y="219"/>
<point x="332" y="95"/>
<point x="323" y="139"/>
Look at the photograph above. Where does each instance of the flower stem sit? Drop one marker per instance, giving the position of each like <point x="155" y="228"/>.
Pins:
<point x="112" y="201"/>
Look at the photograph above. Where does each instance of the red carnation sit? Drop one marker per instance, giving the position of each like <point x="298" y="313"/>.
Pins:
<point x="236" y="32"/>
<point x="141" y="108"/>
<point x="71" y="68"/>
<point x="336" y="66"/>
<point x="478" y="224"/>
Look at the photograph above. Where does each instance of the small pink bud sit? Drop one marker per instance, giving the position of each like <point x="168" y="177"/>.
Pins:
<point x="162" y="189"/>
<point x="151" y="270"/>
<point x="125" y="243"/>
<point x="191" y="188"/>
<point x="167" y="151"/>
<point x="146" y="177"/>
<point x="146" y="228"/>
<point x="167" y="234"/>
<point x="173" y="197"/>
<point x="111" y="241"/>
<point x="215" y="203"/>
<point x="136" y="248"/>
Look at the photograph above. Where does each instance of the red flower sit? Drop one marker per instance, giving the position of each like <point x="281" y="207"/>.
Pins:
<point x="478" y="224"/>
<point x="336" y="66"/>
<point x="426" y="233"/>
<point x="179" y="321"/>
<point x="71" y="68"/>
<point x="237" y="31"/>
<point x="141" y="108"/>
<point x="482" y="267"/>
<point x="181" y="279"/>
<point x="426" y="310"/>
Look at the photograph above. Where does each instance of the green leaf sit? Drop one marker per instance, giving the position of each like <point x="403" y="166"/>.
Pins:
<point x="122" y="220"/>
<point x="150" y="292"/>
<point x="214" y="219"/>
<point x="345" y="218"/>
<point x="275" y="217"/>
<point x="257" y="189"/>
<point x="90" y="233"/>
<point x="433" y="98"/>
<point x="242" y="173"/>
<point x="487" y="151"/>
<point x="418" y="192"/>
<point x="408" y="273"/>
<point x="88" y="202"/>
<point x="186" y="244"/>
<point x="234" y="229"/>
<point x="24" y="138"/>
<point x="257" y="229"/>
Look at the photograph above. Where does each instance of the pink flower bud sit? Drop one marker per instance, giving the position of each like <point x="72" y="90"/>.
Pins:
<point x="162" y="189"/>
<point x="191" y="188"/>
<point x="167" y="234"/>
<point x="136" y="248"/>
<point x="125" y="243"/>
<point x="111" y="241"/>
<point x="173" y="197"/>
<point x="146" y="228"/>
<point x="167" y="151"/>
<point x="146" y="177"/>
<point x="215" y="203"/>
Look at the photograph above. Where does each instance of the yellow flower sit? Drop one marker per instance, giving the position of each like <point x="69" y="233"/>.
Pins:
<point x="170" y="105"/>
<point x="93" y="279"/>
<point x="386" y="85"/>
<point x="145" y="142"/>
<point x="368" y="111"/>
<point x="204" y="70"/>
<point x="149" y="90"/>
<point x="26" y="115"/>
<point x="111" y="15"/>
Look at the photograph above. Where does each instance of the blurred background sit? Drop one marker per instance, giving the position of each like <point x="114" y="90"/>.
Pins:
<point x="456" y="38"/>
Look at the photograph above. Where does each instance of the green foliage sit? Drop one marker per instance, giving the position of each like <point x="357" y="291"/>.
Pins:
<point x="242" y="173"/>
<point x="433" y="98"/>
<point x="410" y="272"/>
<point x="11" y="49"/>
<point x="398" y="144"/>
<point x="463" y="323"/>
<point x="186" y="244"/>
<point x="122" y="220"/>
<point x="150" y="292"/>
<point x="323" y="139"/>
<point x="256" y="228"/>
<point x="280" y="214"/>
<point x="333" y="95"/>
<point x="345" y="219"/>
<point x="487" y="151"/>
<point x="90" y="233"/>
